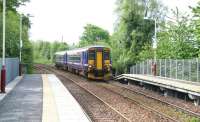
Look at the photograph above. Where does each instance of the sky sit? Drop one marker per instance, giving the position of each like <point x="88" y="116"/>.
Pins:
<point x="64" y="19"/>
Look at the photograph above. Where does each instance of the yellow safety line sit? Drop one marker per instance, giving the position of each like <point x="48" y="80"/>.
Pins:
<point x="49" y="113"/>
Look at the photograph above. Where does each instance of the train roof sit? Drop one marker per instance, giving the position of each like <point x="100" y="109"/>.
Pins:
<point x="61" y="53"/>
<point x="78" y="50"/>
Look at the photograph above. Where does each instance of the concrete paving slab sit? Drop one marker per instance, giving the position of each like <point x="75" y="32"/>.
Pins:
<point x="10" y="86"/>
<point x="24" y="102"/>
<point x="68" y="108"/>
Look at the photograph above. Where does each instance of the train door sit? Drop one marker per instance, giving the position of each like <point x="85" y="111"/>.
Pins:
<point x="99" y="60"/>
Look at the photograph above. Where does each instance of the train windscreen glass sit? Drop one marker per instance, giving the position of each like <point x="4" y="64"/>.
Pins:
<point x="91" y="55"/>
<point x="106" y="56"/>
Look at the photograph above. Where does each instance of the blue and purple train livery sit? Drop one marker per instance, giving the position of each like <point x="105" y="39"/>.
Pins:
<point x="93" y="62"/>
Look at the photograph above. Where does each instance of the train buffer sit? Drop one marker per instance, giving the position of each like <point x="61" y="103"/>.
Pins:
<point x="39" y="98"/>
<point x="192" y="89"/>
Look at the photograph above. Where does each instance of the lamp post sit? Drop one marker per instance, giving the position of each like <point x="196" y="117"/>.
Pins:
<point x="154" y="44"/>
<point x="20" y="46"/>
<point x="3" y="70"/>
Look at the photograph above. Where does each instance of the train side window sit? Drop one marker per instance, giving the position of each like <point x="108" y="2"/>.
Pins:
<point x="106" y="56"/>
<point x="91" y="55"/>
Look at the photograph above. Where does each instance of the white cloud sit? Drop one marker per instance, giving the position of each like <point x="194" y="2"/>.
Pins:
<point x="183" y="5"/>
<point x="54" y="18"/>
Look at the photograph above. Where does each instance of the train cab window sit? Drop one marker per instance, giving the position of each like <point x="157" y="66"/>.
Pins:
<point x="91" y="55"/>
<point x="106" y="56"/>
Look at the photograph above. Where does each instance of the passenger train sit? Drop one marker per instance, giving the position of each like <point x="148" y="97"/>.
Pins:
<point x="93" y="62"/>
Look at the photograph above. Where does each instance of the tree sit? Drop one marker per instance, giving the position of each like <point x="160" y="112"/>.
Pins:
<point x="12" y="5"/>
<point x="12" y="33"/>
<point x="44" y="51"/>
<point x="133" y="34"/>
<point x="196" y="23"/>
<point x="93" y="34"/>
<point x="177" y="40"/>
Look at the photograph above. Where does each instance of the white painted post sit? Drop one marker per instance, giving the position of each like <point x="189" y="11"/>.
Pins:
<point x="4" y="28"/>
<point x="20" y="38"/>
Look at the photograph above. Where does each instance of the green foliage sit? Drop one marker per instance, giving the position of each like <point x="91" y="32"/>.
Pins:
<point x="194" y="120"/>
<point x="132" y="39"/>
<point x="44" y="51"/>
<point x="133" y="35"/>
<point x="93" y="35"/>
<point x="12" y="37"/>
<point x="27" y="55"/>
<point x="12" y="33"/>
<point x="147" y="52"/>
<point x="177" y="39"/>
<point x="12" y="5"/>
<point x="196" y="23"/>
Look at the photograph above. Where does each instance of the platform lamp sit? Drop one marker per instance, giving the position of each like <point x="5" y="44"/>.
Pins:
<point x="20" y="46"/>
<point x="154" y="43"/>
<point x="3" y="70"/>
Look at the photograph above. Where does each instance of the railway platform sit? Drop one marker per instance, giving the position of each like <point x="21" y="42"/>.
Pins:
<point x="39" y="98"/>
<point x="165" y="84"/>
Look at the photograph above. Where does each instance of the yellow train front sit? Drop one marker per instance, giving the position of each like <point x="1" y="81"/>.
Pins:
<point x="99" y="63"/>
<point x="93" y="62"/>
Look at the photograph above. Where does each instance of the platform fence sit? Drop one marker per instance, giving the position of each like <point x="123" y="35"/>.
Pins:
<point x="12" y="68"/>
<point x="184" y="69"/>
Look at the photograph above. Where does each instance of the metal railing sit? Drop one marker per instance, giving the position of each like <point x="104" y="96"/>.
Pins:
<point x="12" y="68"/>
<point x="184" y="69"/>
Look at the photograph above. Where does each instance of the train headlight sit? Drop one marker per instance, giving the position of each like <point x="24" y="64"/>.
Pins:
<point x="90" y="66"/>
<point x="107" y="68"/>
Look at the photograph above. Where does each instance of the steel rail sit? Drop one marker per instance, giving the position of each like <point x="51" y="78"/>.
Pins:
<point x="195" y="114"/>
<point x="135" y="101"/>
<point x="112" y="108"/>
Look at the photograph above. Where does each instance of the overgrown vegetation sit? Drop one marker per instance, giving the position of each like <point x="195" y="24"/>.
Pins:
<point x="12" y="32"/>
<point x="177" y="37"/>
<point x="44" y="51"/>
<point x="94" y="35"/>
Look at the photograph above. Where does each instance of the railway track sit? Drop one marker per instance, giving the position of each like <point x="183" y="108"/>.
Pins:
<point x="178" y="108"/>
<point x="158" y="106"/>
<point x="99" y="107"/>
<point x="163" y="117"/>
<point x="169" y="104"/>
<point x="186" y="116"/>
